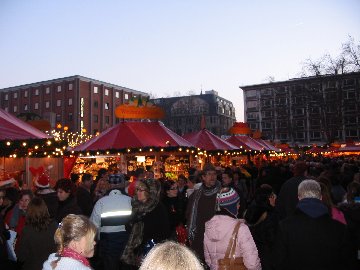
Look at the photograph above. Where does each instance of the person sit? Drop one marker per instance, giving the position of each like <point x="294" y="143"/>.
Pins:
<point x="5" y="263"/>
<point x="139" y="174"/>
<point x="171" y="256"/>
<point x="37" y="237"/>
<point x="262" y="221"/>
<point x="351" y="210"/>
<point x="150" y="223"/>
<point x="174" y="205"/>
<point x="110" y="215"/>
<point x="67" y="204"/>
<point x="83" y="195"/>
<point x="219" y="230"/>
<point x="310" y="238"/>
<point x="15" y="218"/>
<point x="75" y="243"/>
<point x="201" y="208"/>
<point x="287" y="200"/>
<point x="334" y="211"/>
<point x="43" y="190"/>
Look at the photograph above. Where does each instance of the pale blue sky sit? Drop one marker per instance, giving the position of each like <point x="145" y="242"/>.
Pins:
<point x="170" y="47"/>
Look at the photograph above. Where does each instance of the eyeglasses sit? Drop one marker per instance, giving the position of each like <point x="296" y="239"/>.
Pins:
<point x="140" y="189"/>
<point x="173" y="188"/>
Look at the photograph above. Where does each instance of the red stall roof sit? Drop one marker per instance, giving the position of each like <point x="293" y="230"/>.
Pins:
<point x="246" y="142"/>
<point x="12" y="128"/>
<point x="268" y="146"/>
<point x="134" y="135"/>
<point x="208" y="141"/>
<point x="349" y="148"/>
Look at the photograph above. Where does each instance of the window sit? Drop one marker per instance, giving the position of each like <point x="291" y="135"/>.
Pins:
<point x="252" y="104"/>
<point x="70" y="86"/>
<point x="36" y="92"/>
<point x="350" y="133"/>
<point x="96" y="90"/>
<point x="299" y="111"/>
<point x="315" y="110"/>
<point x="47" y="90"/>
<point x="349" y="95"/>
<point x="70" y="117"/>
<point x="70" y="101"/>
<point x="126" y="96"/>
<point x="7" y="109"/>
<point x="266" y="114"/>
<point x="315" y="135"/>
<point x="283" y="136"/>
<point x="15" y="95"/>
<point x="58" y="118"/>
<point x="106" y="92"/>
<point x="299" y="135"/>
<point x="59" y="88"/>
<point x="117" y="95"/>
<point x="282" y="124"/>
<point x="266" y="125"/>
<point x="58" y="102"/>
<point x="107" y="106"/>
<point x="253" y="126"/>
<point x="350" y="120"/>
<point x="265" y="92"/>
<point x="15" y="108"/>
<point x="107" y="119"/>
<point x="25" y="107"/>
<point x="251" y="93"/>
<point x="96" y="118"/>
<point x="36" y="106"/>
<point x="47" y="104"/>
<point x="315" y="122"/>
<point x="26" y="93"/>
<point x="266" y="102"/>
<point x="96" y="104"/>
<point x="299" y="123"/>
<point x="6" y="97"/>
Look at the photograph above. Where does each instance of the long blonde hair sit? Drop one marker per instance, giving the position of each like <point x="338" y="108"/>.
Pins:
<point x="171" y="256"/>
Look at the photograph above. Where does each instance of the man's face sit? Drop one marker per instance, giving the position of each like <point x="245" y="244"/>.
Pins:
<point x="209" y="178"/>
<point x="226" y="179"/>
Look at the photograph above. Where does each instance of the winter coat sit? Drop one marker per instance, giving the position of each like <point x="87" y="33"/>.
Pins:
<point x="64" y="263"/>
<point x="84" y="200"/>
<point x="311" y="239"/>
<point x="218" y="232"/>
<point x="69" y="206"/>
<point x="35" y="246"/>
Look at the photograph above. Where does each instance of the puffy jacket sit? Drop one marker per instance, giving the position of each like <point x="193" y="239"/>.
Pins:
<point x="218" y="232"/>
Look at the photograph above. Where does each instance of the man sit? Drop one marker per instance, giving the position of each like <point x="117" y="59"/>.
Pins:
<point x="83" y="195"/>
<point x="288" y="198"/>
<point x="201" y="208"/>
<point x="311" y="239"/>
<point x="110" y="215"/>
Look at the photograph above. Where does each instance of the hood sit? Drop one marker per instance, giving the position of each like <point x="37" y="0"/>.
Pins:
<point x="219" y="227"/>
<point x="47" y="263"/>
<point x="312" y="207"/>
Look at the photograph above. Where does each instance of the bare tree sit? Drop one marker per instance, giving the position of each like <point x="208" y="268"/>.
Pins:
<point x="313" y="67"/>
<point x="339" y="65"/>
<point x="352" y="53"/>
<point x="269" y="79"/>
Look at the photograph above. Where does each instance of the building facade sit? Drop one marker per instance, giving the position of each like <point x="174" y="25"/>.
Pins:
<point x="79" y="103"/>
<point x="184" y="114"/>
<point x="305" y="111"/>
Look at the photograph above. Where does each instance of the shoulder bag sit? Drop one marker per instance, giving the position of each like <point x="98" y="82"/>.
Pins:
<point x="230" y="262"/>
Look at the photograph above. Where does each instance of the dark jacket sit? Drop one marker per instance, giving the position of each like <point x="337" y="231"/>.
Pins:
<point x="50" y="198"/>
<point x="35" y="246"/>
<point x="176" y="211"/>
<point x="69" y="206"/>
<point x="311" y="239"/>
<point x="84" y="200"/>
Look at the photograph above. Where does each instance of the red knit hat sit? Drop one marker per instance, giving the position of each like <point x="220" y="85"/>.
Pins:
<point x="43" y="181"/>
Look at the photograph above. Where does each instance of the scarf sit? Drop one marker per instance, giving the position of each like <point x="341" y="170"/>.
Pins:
<point x="69" y="253"/>
<point x="140" y="210"/>
<point x="16" y="214"/>
<point x="197" y="195"/>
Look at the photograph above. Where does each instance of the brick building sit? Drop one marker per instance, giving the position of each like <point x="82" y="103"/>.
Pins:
<point x="184" y="114"/>
<point x="304" y="111"/>
<point x="77" y="102"/>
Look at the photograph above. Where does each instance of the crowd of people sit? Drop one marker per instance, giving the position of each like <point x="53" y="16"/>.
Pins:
<point x="302" y="214"/>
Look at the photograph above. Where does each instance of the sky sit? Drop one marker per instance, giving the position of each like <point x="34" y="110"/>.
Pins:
<point x="171" y="48"/>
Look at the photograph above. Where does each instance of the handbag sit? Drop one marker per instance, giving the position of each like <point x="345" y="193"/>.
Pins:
<point x="230" y="262"/>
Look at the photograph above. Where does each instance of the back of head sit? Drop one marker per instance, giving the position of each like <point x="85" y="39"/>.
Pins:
<point x="309" y="189"/>
<point x="37" y="214"/>
<point x="171" y="256"/>
<point x="73" y="227"/>
<point x="300" y="168"/>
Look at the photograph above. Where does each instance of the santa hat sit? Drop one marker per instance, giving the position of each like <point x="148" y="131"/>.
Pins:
<point x="228" y="200"/>
<point x="43" y="181"/>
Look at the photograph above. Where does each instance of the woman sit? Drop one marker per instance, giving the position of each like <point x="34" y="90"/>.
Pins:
<point x="171" y="256"/>
<point x="263" y="222"/>
<point x="4" y="236"/>
<point x="334" y="211"/>
<point x="174" y="206"/>
<point x="15" y="218"/>
<point x="75" y="240"/>
<point x="150" y="223"/>
<point x="37" y="238"/>
<point x="219" y="230"/>
<point x="67" y="204"/>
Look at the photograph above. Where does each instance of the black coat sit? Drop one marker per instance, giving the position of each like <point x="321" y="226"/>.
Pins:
<point x="85" y="201"/>
<point x="307" y="243"/>
<point x="69" y="206"/>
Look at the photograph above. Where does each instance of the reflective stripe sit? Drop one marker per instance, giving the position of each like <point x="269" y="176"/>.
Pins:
<point x="116" y="213"/>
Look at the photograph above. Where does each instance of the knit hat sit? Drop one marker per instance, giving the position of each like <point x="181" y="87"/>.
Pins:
<point x="43" y="181"/>
<point x="228" y="200"/>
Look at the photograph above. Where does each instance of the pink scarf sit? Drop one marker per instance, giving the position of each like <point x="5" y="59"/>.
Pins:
<point x="69" y="253"/>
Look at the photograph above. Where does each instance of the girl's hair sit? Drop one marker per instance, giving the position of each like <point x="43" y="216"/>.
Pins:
<point x="66" y="185"/>
<point x="37" y="214"/>
<point x="168" y="184"/>
<point x="325" y="196"/>
<point x="74" y="227"/>
<point x="26" y="192"/>
<point x="171" y="256"/>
